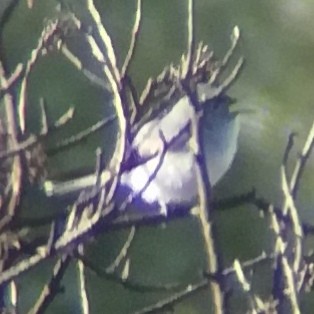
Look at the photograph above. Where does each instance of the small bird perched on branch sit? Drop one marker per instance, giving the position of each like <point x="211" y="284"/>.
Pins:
<point x="165" y="173"/>
<point x="165" y="165"/>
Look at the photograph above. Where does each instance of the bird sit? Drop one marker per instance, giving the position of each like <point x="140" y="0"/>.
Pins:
<point x="166" y="173"/>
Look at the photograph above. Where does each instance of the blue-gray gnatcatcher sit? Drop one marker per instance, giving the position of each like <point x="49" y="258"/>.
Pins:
<point x="172" y="179"/>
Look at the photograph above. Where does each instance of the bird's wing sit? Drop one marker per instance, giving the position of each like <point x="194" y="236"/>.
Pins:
<point x="171" y="129"/>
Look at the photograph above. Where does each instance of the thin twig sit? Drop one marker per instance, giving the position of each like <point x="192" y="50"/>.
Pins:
<point x="79" y="137"/>
<point x="16" y="172"/>
<point x="126" y="282"/>
<point x="123" y="252"/>
<point x="205" y="210"/>
<point x="33" y="140"/>
<point x="108" y="60"/>
<point x="295" y="222"/>
<point x="52" y="288"/>
<point x="288" y="147"/>
<point x="175" y="298"/>
<point x="207" y="227"/>
<point x="82" y="285"/>
<point x="100" y="82"/>
<point x="106" y="41"/>
<point x="230" y="79"/>
<point x="44" y="39"/>
<point x="84" y="228"/>
<point x="191" y="289"/>
<point x="64" y="119"/>
<point x="301" y="162"/>
<point x="134" y="37"/>
<point x="290" y="289"/>
<point x="44" y="117"/>
<point x="284" y="284"/>
<point x="251" y="263"/>
<point x="13" y="296"/>
<point x="187" y="66"/>
<point x="255" y="303"/>
<point x="12" y="80"/>
<point x="234" y="42"/>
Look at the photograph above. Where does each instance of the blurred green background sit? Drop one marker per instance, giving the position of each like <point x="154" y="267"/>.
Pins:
<point x="276" y="84"/>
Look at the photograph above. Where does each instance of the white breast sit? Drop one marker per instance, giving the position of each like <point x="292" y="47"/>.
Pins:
<point x="175" y="181"/>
